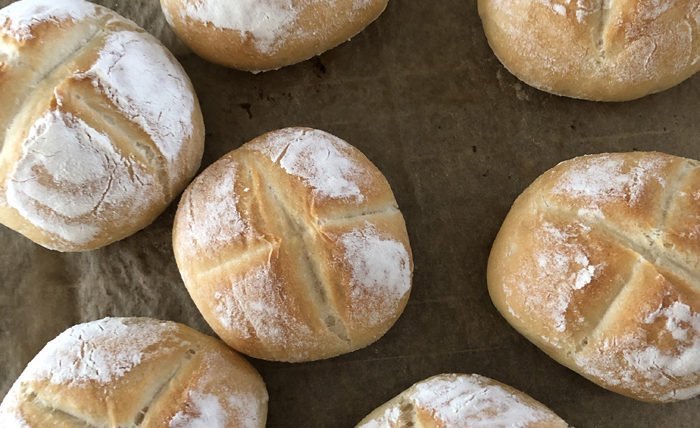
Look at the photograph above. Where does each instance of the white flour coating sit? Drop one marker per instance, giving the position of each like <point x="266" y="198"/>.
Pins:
<point x="389" y="418"/>
<point x="267" y="21"/>
<point x="599" y="180"/>
<point x="469" y="401"/>
<point x="216" y="220"/>
<point x="148" y="87"/>
<point x="10" y="414"/>
<point x="563" y="268"/>
<point x="18" y="18"/>
<point x="207" y="413"/>
<point x="636" y="362"/>
<point x="233" y="404"/>
<point x="381" y="273"/>
<point x="320" y="159"/>
<point x="100" y="351"/>
<point x="361" y="4"/>
<point x="68" y="176"/>
<point x="256" y="306"/>
<point x="581" y="8"/>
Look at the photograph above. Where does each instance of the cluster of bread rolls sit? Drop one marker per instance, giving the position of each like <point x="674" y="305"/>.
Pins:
<point x="293" y="247"/>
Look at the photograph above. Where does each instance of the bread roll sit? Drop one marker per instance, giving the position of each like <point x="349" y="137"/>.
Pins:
<point x="461" y="401"/>
<point x="99" y="128"/>
<point x="256" y="35"/>
<point x="597" y="264"/>
<point x="594" y="49"/>
<point x="293" y="247"/>
<point x="129" y="372"/>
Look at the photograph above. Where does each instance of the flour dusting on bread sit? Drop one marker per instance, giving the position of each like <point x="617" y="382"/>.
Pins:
<point x="18" y="18"/>
<point x="266" y="21"/>
<point x="213" y="218"/>
<point x="637" y="359"/>
<point x="69" y="176"/>
<point x="149" y="88"/>
<point x="469" y="401"/>
<point x="598" y="180"/>
<point x="381" y="272"/>
<point x="562" y="267"/>
<point x="324" y="162"/>
<point x="100" y="351"/>
<point x="255" y="306"/>
<point x="462" y="401"/>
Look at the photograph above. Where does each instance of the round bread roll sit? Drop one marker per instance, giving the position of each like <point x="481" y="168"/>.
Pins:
<point x="256" y="35"/>
<point x="598" y="264"/>
<point x="460" y="401"/>
<point x="99" y="128"/>
<point x="135" y="372"/>
<point x="595" y="49"/>
<point x="293" y="247"/>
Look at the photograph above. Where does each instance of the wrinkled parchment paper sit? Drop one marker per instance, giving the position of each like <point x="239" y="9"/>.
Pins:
<point x="421" y="94"/>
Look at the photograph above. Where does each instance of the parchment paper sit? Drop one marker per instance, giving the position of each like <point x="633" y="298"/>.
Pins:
<point x="421" y="94"/>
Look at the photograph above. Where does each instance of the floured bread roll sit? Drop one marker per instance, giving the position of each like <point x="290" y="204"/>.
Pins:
<point x="260" y="35"/>
<point x="129" y="372"/>
<point x="461" y="401"/>
<point x="598" y="264"/>
<point x="595" y="49"/>
<point x="293" y="247"/>
<point x="99" y="128"/>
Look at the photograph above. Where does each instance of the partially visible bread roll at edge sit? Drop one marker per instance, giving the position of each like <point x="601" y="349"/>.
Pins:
<point x="461" y="401"/>
<point x="293" y="247"/>
<point x="100" y="128"/>
<point x="598" y="264"/>
<point x="135" y="372"/>
<point x="254" y="35"/>
<point x="595" y="49"/>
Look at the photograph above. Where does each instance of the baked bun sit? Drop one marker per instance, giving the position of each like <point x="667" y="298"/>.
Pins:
<point x="597" y="264"/>
<point x="458" y="400"/>
<point x="99" y="128"/>
<point x="595" y="50"/>
<point x="293" y="247"/>
<point x="129" y="372"/>
<point x="256" y="35"/>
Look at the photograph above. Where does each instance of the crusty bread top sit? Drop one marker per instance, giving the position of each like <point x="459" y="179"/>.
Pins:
<point x="461" y="401"/>
<point x="596" y="49"/>
<point x="293" y="247"/>
<point x="99" y="129"/>
<point x="257" y="35"/>
<point x="598" y="263"/>
<point x="130" y="372"/>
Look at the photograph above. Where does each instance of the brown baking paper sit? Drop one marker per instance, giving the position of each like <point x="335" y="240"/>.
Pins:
<point x="458" y="137"/>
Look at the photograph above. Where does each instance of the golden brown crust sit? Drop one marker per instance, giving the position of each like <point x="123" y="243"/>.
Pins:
<point x="595" y="49"/>
<point x="306" y="28"/>
<point x="68" y="80"/>
<point x="293" y="247"/>
<point x="589" y="266"/>
<point x="135" y="372"/>
<point x="457" y="400"/>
